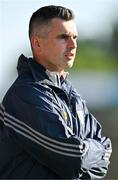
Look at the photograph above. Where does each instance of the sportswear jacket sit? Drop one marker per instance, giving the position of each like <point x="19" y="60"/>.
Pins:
<point x="46" y="130"/>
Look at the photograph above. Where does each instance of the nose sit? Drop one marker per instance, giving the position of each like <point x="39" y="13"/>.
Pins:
<point x="72" y="43"/>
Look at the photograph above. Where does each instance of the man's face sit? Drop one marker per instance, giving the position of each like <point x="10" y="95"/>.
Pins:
<point x="58" y="49"/>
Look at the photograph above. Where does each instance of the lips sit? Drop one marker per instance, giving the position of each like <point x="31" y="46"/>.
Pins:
<point x="69" y="55"/>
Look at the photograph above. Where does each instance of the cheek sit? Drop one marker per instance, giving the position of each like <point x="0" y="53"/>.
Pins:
<point x="55" y="49"/>
<point x="60" y="48"/>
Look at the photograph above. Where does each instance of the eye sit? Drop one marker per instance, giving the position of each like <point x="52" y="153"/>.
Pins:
<point x="75" y="37"/>
<point x="64" y="36"/>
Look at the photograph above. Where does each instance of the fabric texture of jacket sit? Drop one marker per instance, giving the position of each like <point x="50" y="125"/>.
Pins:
<point x="46" y="130"/>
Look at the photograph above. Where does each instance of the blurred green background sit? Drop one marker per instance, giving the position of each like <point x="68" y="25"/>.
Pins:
<point x="95" y="71"/>
<point x="97" y="63"/>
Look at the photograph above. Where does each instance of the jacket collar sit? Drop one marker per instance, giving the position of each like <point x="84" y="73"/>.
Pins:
<point x="39" y="73"/>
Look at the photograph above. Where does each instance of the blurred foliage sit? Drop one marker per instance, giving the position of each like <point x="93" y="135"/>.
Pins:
<point x="92" y="56"/>
<point x="114" y="41"/>
<point x="99" y="55"/>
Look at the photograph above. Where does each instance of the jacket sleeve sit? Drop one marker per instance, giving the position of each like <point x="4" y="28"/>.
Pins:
<point x="95" y="161"/>
<point x="37" y="126"/>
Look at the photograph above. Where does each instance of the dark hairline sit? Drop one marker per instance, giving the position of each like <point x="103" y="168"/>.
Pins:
<point x="40" y="19"/>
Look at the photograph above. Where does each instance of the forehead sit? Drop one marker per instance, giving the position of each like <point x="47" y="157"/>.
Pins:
<point x="62" y="26"/>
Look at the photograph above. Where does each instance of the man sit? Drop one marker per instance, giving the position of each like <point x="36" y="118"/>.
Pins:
<point x="46" y="130"/>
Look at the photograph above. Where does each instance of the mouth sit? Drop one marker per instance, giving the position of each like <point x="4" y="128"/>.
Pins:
<point x="69" y="56"/>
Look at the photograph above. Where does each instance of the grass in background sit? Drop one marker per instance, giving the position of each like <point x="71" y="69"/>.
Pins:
<point x="96" y="58"/>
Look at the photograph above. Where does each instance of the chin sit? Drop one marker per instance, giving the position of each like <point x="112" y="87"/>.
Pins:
<point x="70" y="64"/>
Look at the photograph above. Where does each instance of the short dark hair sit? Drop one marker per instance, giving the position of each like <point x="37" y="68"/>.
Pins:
<point x="43" y="15"/>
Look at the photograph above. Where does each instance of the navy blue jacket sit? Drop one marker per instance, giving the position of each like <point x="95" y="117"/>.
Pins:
<point x="46" y="130"/>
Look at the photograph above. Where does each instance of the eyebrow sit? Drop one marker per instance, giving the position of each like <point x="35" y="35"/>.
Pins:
<point x="65" y="35"/>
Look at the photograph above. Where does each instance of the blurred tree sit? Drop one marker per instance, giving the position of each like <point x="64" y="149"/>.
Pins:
<point x="92" y="55"/>
<point x="114" y="40"/>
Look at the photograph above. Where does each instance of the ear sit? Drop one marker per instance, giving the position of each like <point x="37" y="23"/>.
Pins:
<point x="35" y="41"/>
